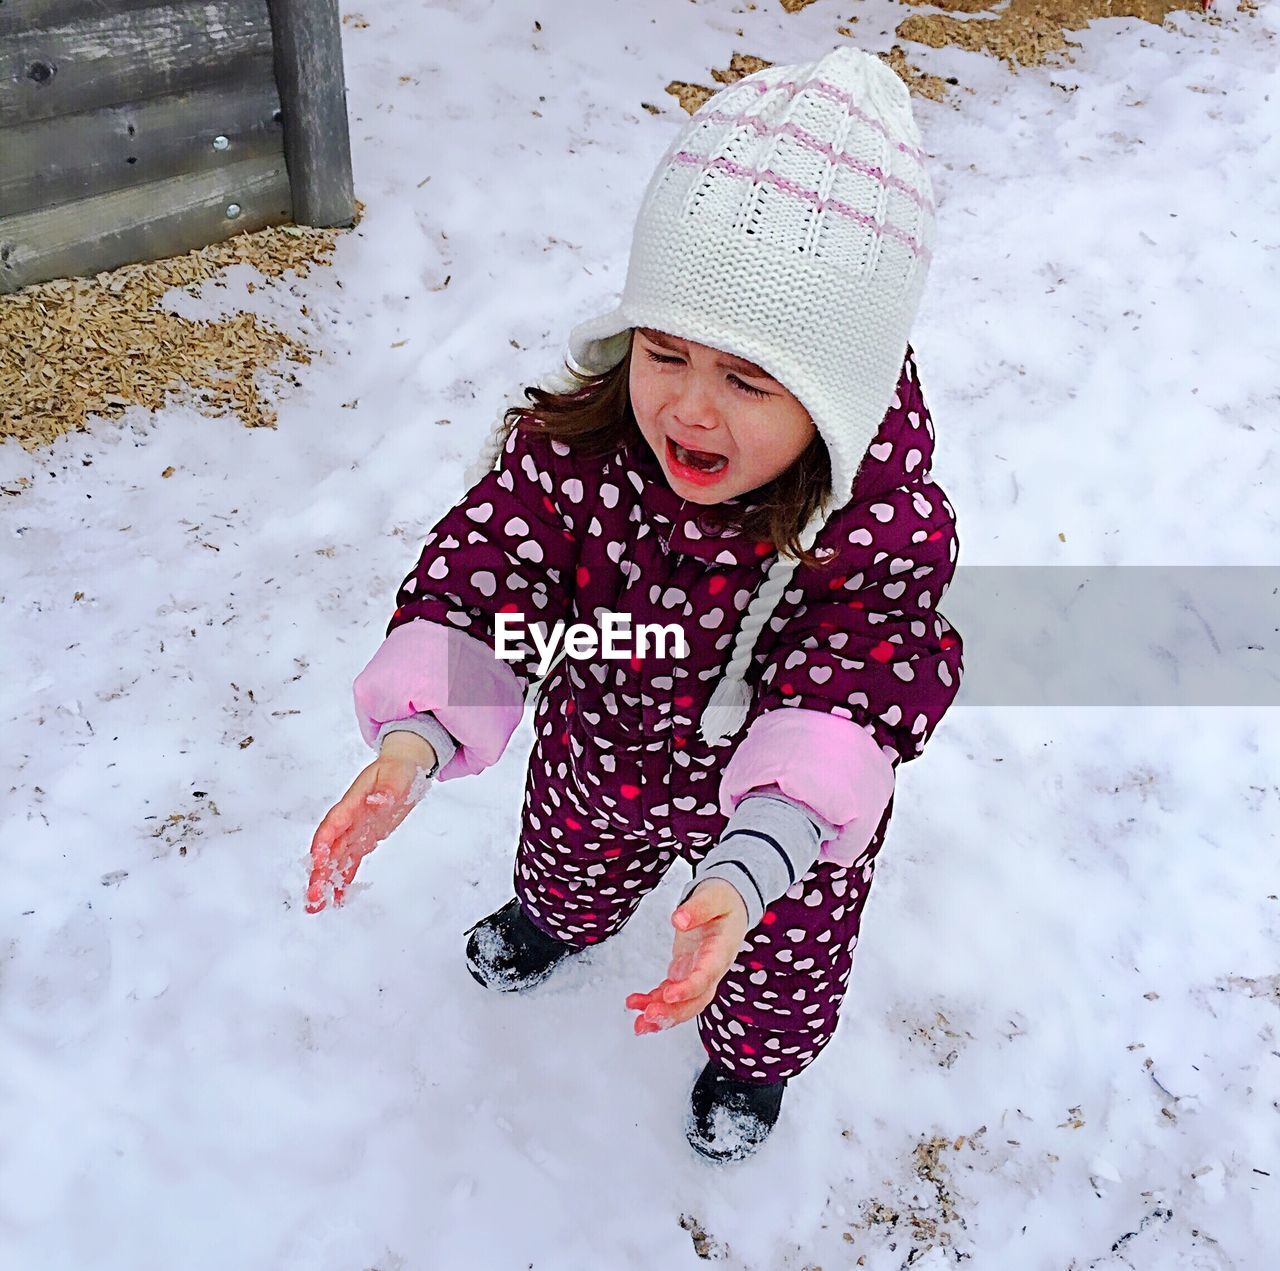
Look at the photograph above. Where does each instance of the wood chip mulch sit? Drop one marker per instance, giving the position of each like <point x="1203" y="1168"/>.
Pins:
<point x="1026" y="32"/>
<point x="82" y="347"/>
<point x="1020" y="33"/>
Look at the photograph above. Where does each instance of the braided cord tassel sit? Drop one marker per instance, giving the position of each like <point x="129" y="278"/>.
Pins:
<point x="727" y="710"/>
<point x="559" y="380"/>
<point x="490" y="451"/>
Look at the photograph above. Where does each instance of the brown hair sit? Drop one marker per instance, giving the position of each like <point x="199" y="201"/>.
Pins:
<point x="595" y="419"/>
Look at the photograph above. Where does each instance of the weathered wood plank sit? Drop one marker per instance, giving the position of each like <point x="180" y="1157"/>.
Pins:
<point x="145" y="222"/>
<point x="39" y="15"/>
<point x="317" y="146"/>
<point x="128" y="56"/>
<point x="73" y="157"/>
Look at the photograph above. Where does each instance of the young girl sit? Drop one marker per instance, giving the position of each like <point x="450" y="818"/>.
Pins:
<point x="740" y="454"/>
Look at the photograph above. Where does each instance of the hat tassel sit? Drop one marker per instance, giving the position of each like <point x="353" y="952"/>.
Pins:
<point x="726" y="712"/>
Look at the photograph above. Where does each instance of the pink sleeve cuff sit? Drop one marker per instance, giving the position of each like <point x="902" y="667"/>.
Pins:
<point x="425" y="666"/>
<point x="828" y="763"/>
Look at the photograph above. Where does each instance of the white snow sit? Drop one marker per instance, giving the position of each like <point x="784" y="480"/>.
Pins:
<point x="1070" y="954"/>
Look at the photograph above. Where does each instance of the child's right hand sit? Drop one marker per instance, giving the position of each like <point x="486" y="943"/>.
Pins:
<point x="379" y="799"/>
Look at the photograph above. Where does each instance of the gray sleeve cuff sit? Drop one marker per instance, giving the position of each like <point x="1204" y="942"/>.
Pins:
<point x="430" y="729"/>
<point x="770" y="843"/>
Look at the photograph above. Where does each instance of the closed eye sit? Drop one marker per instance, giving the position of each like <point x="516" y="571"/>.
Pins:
<point x="748" y="388"/>
<point x="733" y="379"/>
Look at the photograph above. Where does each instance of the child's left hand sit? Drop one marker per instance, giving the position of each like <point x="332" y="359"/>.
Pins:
<point x="710" y="927"/>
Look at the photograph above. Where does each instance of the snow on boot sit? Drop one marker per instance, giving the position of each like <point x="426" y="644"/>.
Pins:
<point x="507" y="953"/>
<point x="728" y="1119"/>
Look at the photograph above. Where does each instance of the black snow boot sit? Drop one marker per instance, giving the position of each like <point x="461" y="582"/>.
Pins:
<point x="729" y="1119"/>
<point x="507" y="953"/>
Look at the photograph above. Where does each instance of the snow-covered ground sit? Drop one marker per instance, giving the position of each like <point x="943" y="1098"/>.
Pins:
<point x="1070" y="954"/>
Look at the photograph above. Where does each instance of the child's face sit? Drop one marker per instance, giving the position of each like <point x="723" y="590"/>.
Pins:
<point x="742" y="427"/>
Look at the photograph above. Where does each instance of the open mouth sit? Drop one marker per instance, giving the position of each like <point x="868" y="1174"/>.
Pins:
<point x="704" y="463"/>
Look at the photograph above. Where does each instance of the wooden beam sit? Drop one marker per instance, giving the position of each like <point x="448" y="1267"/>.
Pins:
<point x="317" y="145"/>
<point x="129" y="56"/>
<point x="145" y="222"/>
<point x="55" y="161"/>
<point x="39" y="15"/>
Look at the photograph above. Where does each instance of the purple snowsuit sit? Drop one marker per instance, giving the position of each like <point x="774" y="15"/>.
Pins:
<point x="850" y="677"/>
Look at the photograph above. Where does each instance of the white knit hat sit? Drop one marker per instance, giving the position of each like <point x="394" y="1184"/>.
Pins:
<point x="791" y="223"/>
